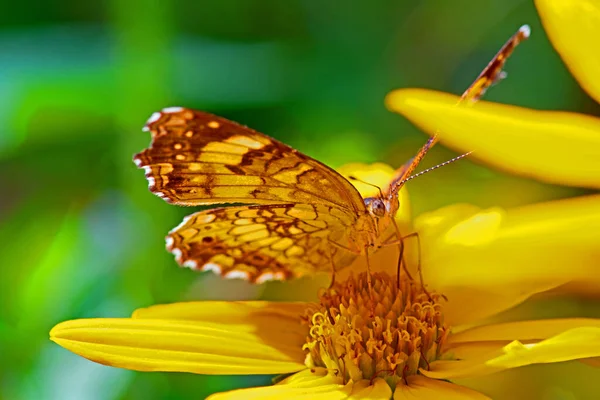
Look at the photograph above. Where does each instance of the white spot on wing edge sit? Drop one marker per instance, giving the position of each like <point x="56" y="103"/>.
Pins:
<point x="172" y="109"/>
<point x="192" y="264"/>
<point x="153" y="118"/>
<point x="137" y="162"/>
<point x="212" y="267"/>
<point x="269" y="276"/>
<point x="169" y="241"/>
<point x="151" y="181"/>
<point x="177" y="253"/>
<point x="237" y="275"/>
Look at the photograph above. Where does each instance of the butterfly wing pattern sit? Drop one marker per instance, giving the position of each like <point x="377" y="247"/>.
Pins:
<point x="298" y="205"/>
<point x="298" y="216"/>
<point x="260" y="243"/>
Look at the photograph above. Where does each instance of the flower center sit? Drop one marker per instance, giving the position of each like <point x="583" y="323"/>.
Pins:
<point x="390" y="334"/>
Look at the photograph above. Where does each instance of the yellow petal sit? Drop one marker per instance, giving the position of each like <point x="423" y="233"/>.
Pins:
<point x="377" y="174"/>
<point x="379" y="390"/>
<point x="435" y="224"/>
<point x="574" y="29"/>
<point x="479" y="229"/>
<point x="555" y="147"/>
<point x="308" y="385"/>
<point x="226" y="311"/>
<point x="444" y="369"/>
<point x="522" y="330"/>
<point x="489" y="357"/>
<point x="573" y="344"/>
<point x="482" y="343"/>
<point x="423" y="388"/>
<point x="569" y="380"/>
<point x="495" y="259"/>
<point x="323" y="391"/>
<point x="184" y="346"/>
<point x="473" y="351"/>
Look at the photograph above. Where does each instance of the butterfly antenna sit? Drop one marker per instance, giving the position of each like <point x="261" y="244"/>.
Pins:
<point x="434" y="167"/>
<point x="366" y="183"/>
<point x="491" y="74"/>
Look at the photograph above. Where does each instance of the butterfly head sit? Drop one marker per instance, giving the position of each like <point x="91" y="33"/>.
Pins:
<point x="381" y="210"/>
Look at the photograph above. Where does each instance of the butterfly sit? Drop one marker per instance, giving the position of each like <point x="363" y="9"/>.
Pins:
<point x="292" y="215"/>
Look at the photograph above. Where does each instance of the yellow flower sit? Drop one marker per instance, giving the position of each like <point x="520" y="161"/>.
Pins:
<point x="410" y="343"/>
<point x="477" y="263"/>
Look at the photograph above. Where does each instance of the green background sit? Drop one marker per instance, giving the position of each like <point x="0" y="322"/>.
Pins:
<point x="83" y="237"/>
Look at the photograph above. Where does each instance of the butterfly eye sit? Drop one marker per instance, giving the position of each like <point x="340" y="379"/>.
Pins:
<point x="376" y="207"/>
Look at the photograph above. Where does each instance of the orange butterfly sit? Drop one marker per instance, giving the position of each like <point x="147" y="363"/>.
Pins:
<point x="298" y="215"/>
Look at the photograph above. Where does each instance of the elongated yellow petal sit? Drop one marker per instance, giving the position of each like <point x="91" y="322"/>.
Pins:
<point x="276" y="324"/>
<point x="555" y="147"/>
<point x="494" y="259"/>
<point x="473" y="351"/>
<point x="423" y="388"/>
<point x="308" y="385"/>
<point x="378" y="390"/>
<point x="323" y="391"/>
<point x="574" y="29"/>
<point x="444" y="369"/>
<point x="522" y="330"/>
<point x="184" y="346"/>
<point x="226" y="311"/>
<point x="479" y="358"/>
<point x="573" y="344"/>
<point x="482" y="342"/>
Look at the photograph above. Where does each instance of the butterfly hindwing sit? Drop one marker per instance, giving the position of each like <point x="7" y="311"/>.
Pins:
<point x="260" y="243"/>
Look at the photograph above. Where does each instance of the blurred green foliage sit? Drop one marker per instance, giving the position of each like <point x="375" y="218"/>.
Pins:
<point x="82" y="235"/>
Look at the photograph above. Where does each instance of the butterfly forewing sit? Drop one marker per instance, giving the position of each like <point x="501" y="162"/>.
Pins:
<point x="197" y="158"/>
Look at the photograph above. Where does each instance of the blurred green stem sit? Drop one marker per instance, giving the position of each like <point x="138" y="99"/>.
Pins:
<point x="143" y="35"/>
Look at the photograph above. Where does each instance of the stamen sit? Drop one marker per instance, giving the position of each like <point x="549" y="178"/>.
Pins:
<point x="390" y="332"/>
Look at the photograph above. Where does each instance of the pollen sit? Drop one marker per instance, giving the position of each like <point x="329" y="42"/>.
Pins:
<point x="390" y="335"/>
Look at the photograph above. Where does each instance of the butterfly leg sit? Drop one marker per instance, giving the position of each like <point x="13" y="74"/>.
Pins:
<point x="402" y="265"/>
<point x="419" y="269"/>
<point x="401" y="260"/>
